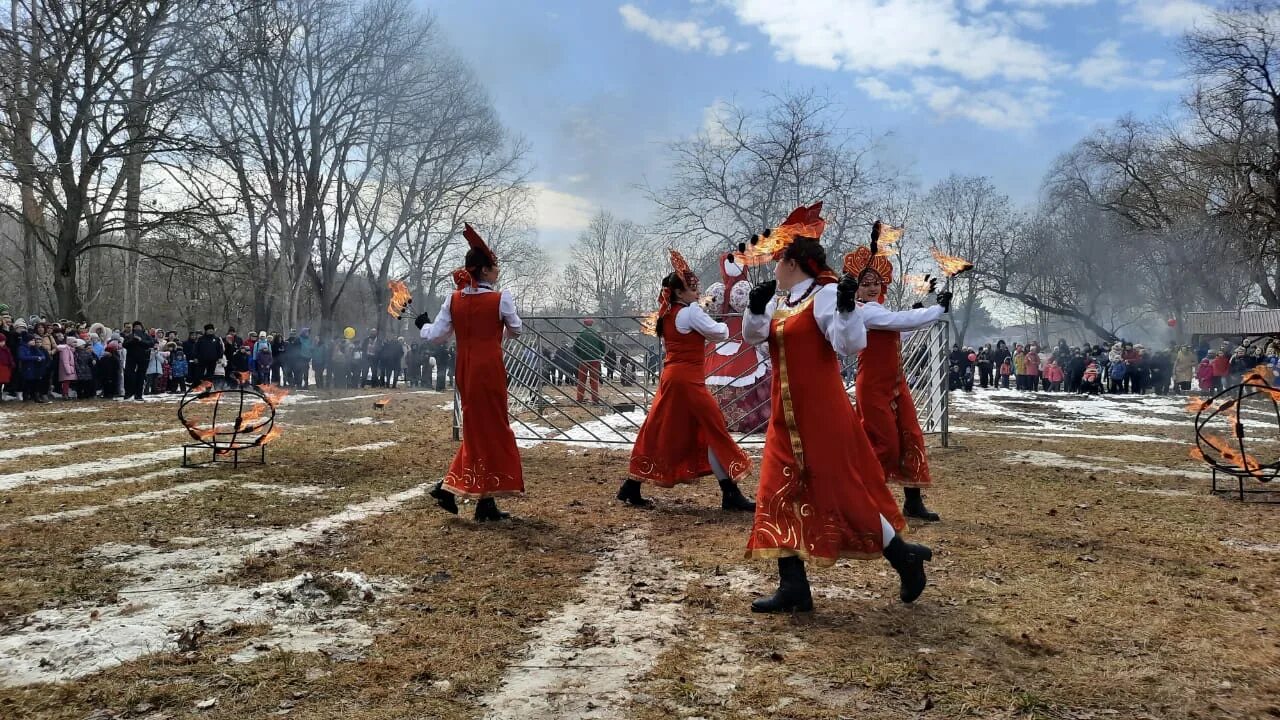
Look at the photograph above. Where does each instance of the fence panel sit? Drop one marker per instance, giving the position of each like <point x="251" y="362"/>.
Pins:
<point x="564" y="386"/>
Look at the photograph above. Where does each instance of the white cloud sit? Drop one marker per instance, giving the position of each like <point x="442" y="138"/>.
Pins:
<point x="1016" y="109"/>
<point x="686" y="35"/>
<point x="1169" y="17"/>
<point x="874" y="36"/>
<point x="714" y="117"/>
<point x="880" y="90"/>
<point x="560" y="210"/>
<point x="1107" y="69"/>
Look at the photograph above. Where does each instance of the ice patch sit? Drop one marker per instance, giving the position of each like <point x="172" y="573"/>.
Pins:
<point x="368" y="421"/>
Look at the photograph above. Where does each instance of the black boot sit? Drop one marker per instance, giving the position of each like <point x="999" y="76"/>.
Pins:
<point x="629" y="493"/>
<point x="444" y="498"/>
<point x="487" y="511"/>
<point x="731" y="498"/>
<point x="793" y="590"/>
<point x="913" y="506"/>
<point x="908" y="559"/>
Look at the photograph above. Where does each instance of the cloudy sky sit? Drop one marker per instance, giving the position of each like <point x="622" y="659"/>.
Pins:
<point x="993" y="87"/>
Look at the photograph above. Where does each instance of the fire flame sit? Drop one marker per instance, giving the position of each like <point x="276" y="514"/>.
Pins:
<point x="1195" y="405"/>
<point x="918" y="283"/>
<point x="649" y="324"/>
<point x="272" y="435"/>
<point x="888" y="236"/>
<point x="273" y="394"/>
<point x="950" y="265"/>
<point x="400" y="298"/>
<point x="766" y="249"/>
<point x="1233" y="457"/>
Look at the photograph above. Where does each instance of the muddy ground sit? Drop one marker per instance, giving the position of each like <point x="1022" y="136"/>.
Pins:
<point x="1081" y="570"/>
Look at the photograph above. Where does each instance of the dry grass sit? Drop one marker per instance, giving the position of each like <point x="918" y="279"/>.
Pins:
<point x="1055" y="593"/>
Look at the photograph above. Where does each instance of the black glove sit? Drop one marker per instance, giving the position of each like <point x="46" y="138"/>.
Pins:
<point x="421" y="320"/>
<point x="917" y="305"/>
<point x="847" y="293"/>
<point x="944" y="299"/>
<point x="933" y="283"/>
<point x="760" y="296"/>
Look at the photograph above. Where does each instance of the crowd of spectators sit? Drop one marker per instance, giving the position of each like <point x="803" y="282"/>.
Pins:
<point x="41" y="360"/>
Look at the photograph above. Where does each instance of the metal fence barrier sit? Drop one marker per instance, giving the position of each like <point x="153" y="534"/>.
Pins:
<point x="556" y="395"/>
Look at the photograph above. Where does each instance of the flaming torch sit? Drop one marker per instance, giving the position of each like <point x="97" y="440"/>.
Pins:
<point x="401" y="298"/>
<point x="950" y="265"/>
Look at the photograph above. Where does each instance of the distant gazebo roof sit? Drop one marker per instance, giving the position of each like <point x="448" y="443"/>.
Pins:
<point x="1232" y="323"/>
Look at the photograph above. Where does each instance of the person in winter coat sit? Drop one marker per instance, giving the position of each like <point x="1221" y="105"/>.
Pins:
<point x="1032" y="364"/>
<point x="208" y="348"/>
<point x="86" y="364"/>
<point x="1005" y="370"/>
<point x="1053" y="375"/>
<point x="1221" y="368"/>
<point x="1019" y="367"/>
<point x="137" y="355"/>
<point x="1204" y="374"/>
<point x="1184" y="368"/>
<point x="66" y="360"/>
<point x="263" y="360"/>
<point x="109" y="371"/>
<point x="8" y="366"/>
<point x="320" y="363"/>
<point x="1090" y="381"/>
<point x="178" y="369"/>
<point x="984" y="366"/>
<point x="34" y="362"/>
<point x="155" y="369"/>
<point x="389" y="357"/>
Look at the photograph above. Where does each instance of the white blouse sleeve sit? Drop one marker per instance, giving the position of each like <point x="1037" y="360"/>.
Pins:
<point x="844" y="330"/>
<point x="876" y="317"/>
<point x="755" y="328"/>
<point x="507" y="308"/>
<point x="442" y="329"/>
<point x="694" y="318"/>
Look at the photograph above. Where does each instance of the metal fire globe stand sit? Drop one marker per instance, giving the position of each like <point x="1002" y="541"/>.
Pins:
<point x="243" y="441"/>
<point x="1229" y="457"/>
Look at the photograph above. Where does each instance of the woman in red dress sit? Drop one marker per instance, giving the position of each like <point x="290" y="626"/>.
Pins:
<point x="488" y="464"/>
<point x="885" y="406"/>
<point x="684" y="436"/>
<point x="822" y="496"/>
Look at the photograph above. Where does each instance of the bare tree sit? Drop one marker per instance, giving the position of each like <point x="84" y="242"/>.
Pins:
<point x="612" y="269"/>
<point x="966" y="217"/>
<point x="745" y="171"/>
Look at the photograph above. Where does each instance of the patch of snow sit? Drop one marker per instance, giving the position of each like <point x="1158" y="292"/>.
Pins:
<point x="286" y="490"/>
<point x="1253" y="546"/>
<point x="173" y="592"/>
<point x="367" y="447"/>
<point x="168" y="493"/>
<point x="1114" y="465"/>
<point x="80" y="469"/>
<point x="368" y="421"/>
<point x="70" y="642"/>
<point x="67" y="428"/>
<point x="99" y="484"/>
<point x="18" y="452"/>
<point x="582" y="661"/>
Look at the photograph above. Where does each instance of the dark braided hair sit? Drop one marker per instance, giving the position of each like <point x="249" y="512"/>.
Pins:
<point x="673" y="284"/>
<point x="808" y="253"/>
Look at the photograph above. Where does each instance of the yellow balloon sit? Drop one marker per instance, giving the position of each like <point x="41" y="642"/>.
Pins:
<point x="349" y="333"/>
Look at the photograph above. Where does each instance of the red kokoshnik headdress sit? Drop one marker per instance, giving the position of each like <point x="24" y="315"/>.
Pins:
<point x="466" y="276"/>
<point x="875" y="258"/>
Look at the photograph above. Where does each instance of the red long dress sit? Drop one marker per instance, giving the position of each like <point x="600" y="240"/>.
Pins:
<point x="885" y="405"/>
<point x="488" y="463"/>
<point x="684" y="420"/>
<point x="821" y="495"/>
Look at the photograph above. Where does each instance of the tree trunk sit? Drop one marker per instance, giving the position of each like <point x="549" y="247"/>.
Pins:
<point x="66" y="289"/>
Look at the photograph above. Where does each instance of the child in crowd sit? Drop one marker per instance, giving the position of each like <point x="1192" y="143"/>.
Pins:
<point x="86" y="363"/>
<point x="66" y="366"/>
<point x="1204" y="375"/>
<point x="1090" y="382"/>
<point x="1053" y="375"/>
<point x="177" y="369"/>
